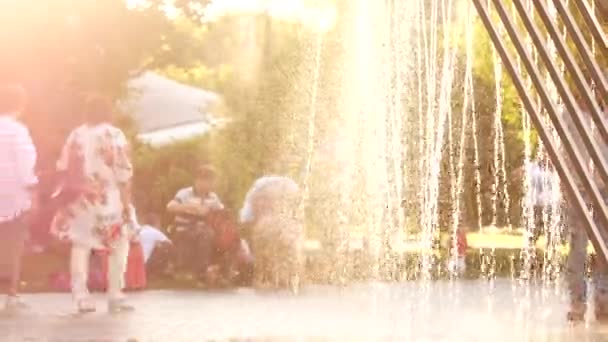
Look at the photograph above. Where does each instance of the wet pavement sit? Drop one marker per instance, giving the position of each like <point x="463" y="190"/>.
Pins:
<point x="415" y="311"/>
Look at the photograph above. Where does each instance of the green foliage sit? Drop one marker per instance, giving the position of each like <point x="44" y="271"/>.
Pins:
<point x="200" y="75"/>
<point x="82" y="42"/>
<point x="262" y="135"/>
<point x="63" y="49"/>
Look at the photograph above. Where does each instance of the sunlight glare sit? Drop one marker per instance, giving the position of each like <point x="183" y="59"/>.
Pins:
<point x="319" y="18"/>
<point x="134" y="4"/>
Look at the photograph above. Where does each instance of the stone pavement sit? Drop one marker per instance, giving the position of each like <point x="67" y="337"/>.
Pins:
<point x="416" y="311"/>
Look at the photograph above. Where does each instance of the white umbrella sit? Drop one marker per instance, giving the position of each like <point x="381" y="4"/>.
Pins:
<point x="167" y="111"/>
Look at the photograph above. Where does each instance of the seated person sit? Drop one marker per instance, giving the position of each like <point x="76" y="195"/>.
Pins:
<point x="155" y="244"/>
<point x="193" y="238"/>
<point x="152" y="237"/>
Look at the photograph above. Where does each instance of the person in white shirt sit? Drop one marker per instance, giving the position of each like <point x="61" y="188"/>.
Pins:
<point x="157" y="248"/>
<point x="544" y="196"/>
<point x="17" y="179"/>
<point x="151" y="237"/>
<point x="190" y="207"/>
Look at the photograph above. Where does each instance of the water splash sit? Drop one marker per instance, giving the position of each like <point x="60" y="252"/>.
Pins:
<point x="458" y="188"/>
<point x="432" y="132"/>
<point x="388" y="130"/>
<point x="527" y="200"/>
<point x="550" y="216"/>
<point x="374" y="116"/>
<point x="474" y="132"/>
<point x="398" y="132"/>
<point x="552" y="213"/>
<point x="312" y="117"/>
<point x="500" y="184"/>
<point x="438" y="111"/>
<point x="398" y="144"/>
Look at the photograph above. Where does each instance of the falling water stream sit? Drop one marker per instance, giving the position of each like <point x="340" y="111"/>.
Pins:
<point x="310" y="147"/>
<point x="476" y="160"/>
<point x="497" y="128"/>
<point x="408" y="149"/>
<point x="527" y="200"/>
<point x="500" y="191"/>
<point x="433" y="131"/>
<point x="552" y="213"/>
<point x="391" y="127"/>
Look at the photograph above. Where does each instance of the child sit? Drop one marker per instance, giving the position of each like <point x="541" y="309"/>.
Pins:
<point x="135" y="276"/>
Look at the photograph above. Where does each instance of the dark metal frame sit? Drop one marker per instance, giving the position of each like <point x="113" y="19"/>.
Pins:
<point x="581" y="44"/>
<point x="575" y="158"/>
<point x="594" y="25"/>
<point x="568" y="58"/>
<point x="602" y="7"/>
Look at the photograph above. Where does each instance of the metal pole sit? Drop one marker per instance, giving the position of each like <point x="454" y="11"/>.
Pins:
<point x="560" y="165"/>
<point x="602" y="6"/>
<point x="566" y="94"/>
<point x="594" y="26"/>
<point x="585" y="135"/>
<point x="582" y="46"/>
<point x="568" y="59"/>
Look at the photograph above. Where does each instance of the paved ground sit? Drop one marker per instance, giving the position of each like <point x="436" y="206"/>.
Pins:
<point x="442" y="311"/>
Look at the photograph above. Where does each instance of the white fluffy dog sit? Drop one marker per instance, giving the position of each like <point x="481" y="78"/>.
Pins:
<point x="277" y="235"/>
<point x="278" y="245"/>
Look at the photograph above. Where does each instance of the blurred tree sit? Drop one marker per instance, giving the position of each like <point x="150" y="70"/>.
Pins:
<point x="64" y="48"/>
<point x="93" y="45"/>
<point x="259" y="66"/>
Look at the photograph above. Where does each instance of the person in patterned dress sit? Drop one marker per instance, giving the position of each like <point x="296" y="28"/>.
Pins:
<point x="96" y="163"/>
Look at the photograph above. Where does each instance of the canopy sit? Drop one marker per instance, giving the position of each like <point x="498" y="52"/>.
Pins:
<point x="166" y="111"/>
